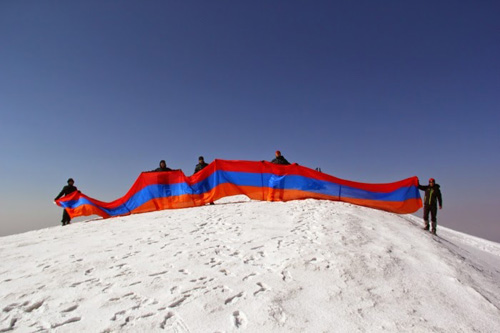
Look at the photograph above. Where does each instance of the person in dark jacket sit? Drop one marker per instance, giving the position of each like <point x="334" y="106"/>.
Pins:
<point x="201" y="164"/>
<point x="67" y="190"/>
<point x="163" y="167"/>
<point x="431" y="199"/>
<point x="280" y="159"/>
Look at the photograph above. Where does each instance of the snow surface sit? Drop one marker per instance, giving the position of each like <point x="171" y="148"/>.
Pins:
<point x="299" y="266"/>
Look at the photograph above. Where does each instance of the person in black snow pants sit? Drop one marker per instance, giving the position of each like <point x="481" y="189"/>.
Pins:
<point x="67" y="190"/>
<point x="431" y="199"/>
<point x="280" y="159"/>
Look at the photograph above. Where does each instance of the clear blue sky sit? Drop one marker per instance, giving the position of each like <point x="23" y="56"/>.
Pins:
<point x="368" y="91"/>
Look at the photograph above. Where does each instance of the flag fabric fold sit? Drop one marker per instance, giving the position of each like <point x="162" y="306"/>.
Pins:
<point x="257" y="180"/>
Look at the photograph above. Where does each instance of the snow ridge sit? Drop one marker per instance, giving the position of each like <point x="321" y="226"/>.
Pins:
<point x="300" y="266"/>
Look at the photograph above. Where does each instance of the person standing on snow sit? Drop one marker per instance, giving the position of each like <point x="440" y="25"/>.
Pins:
<point x="201" y="164"/>
<point x="280" y="159"/>
<point x="431" y="199"/>
<point x="163" y="167"/>
<point x="67" y="190"/>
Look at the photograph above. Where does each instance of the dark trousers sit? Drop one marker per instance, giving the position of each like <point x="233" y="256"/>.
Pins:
<point x="65" y="219"/>
<point x="433" y="211"/>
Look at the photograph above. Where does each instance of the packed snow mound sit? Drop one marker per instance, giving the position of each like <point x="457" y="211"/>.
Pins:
<point x="298" y="266"/>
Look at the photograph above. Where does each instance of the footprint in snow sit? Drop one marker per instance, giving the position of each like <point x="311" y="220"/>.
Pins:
<point x="179" y="301"/>
<point x="69" y="321"/>
<point x="263" y="288"/>
<point x="234" y="298"/>
<point x="34" y="306"/>
<point x="239" y="319"/>
<point x="71" y="308"/>
<point x="249" y="276"/>
<point x="159" y="273"/>
<point x="173" y="323"/>
<point x="286" y="276"/>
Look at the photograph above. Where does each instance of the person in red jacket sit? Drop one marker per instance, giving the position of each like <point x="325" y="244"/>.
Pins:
<point x="431" y="199"/>
<point x="67" y="190"/>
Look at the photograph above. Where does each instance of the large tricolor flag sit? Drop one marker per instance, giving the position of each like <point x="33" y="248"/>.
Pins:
<point x="257" y="180"/>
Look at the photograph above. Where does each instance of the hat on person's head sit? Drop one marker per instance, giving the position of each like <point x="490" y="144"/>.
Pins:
<point x="70" y="180"/>
<point x="432" y="180"/>
<point x="278" y="152"/>
<point x="200" y="158"/>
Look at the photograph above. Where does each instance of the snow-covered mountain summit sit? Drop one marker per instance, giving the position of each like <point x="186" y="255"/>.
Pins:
<point x="300" y="266"/>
